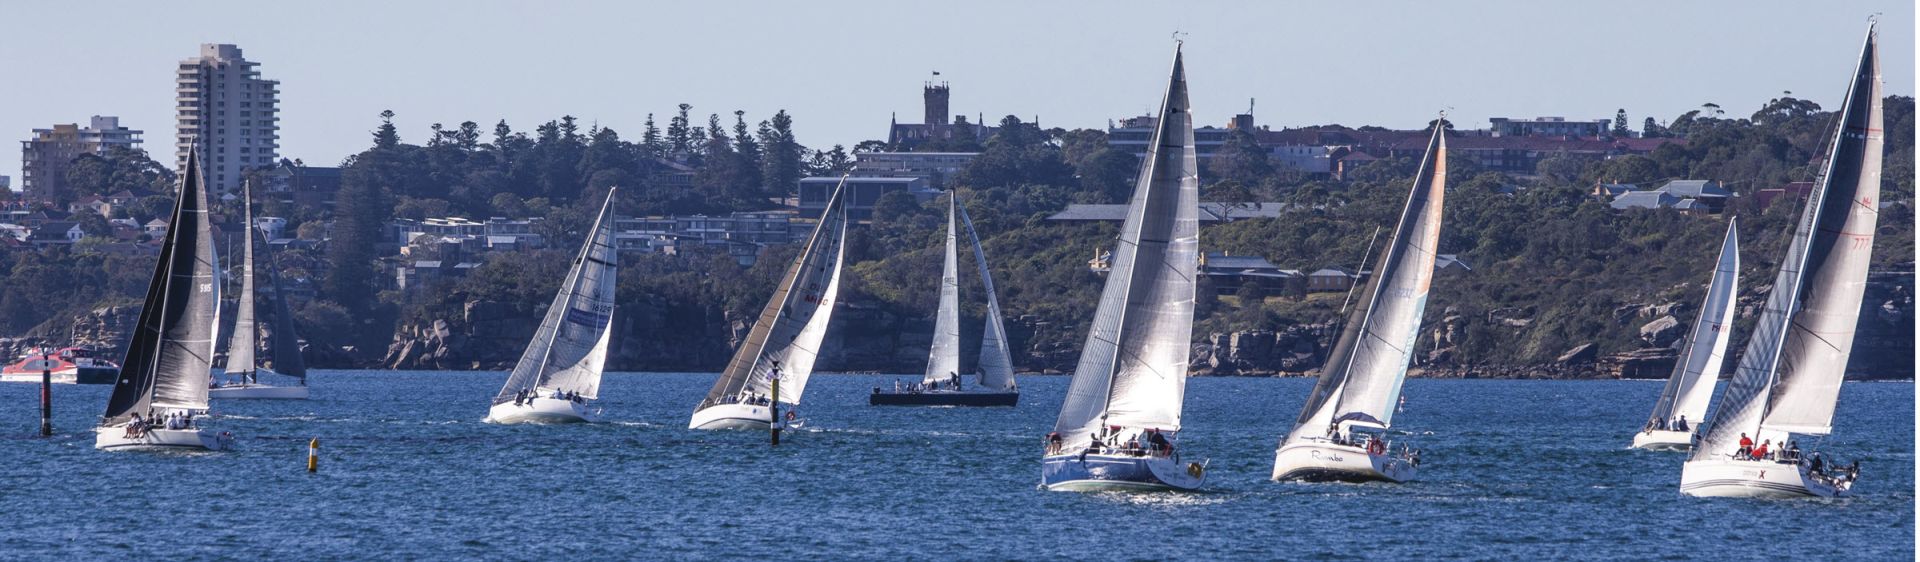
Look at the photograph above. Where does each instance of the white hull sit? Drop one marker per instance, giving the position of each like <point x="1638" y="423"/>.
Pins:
<point x="1075" y="472"/>
<point x="1727" y="478"/>
<point x="732" y="416"/>
<point x="1662" y="440"/>
<point x="115" y="438"/>
<point x="1317" y="461"/>
<point x="541" y="410"/>
<point x="63" y="376"/>
<point x="258" y="391"/>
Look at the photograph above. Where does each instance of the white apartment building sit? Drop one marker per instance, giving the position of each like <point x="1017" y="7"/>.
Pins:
<point x="233" y="113"/>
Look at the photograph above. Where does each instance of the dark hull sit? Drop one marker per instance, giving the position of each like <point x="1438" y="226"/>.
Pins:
<point x="95" y="375"/>
<point x="943" y="399"/>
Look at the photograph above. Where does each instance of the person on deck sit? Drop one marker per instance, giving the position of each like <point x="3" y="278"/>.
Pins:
<point x="1792" y="452"/>
<point x="1746" y="447"/>
<point x="1680" y="424"/>
<point x="1760" y="453"/>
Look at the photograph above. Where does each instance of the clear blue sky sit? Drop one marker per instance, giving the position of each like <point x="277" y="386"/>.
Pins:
<point x="842" y="68"/>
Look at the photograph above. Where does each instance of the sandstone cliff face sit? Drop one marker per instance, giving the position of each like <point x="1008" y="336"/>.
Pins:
<point x="105" y="329"/>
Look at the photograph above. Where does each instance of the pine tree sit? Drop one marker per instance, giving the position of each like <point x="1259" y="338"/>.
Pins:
<point x="679" y="137"/>
<point x="743" y="142"/>
<point x="650" y="140"/>
<point x="386" y="136"/>
<point x="1620" y="129"/>
<point x="781" y="167"/>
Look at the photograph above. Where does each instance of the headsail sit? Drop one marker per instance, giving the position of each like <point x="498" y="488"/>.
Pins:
<point x="943" y="359"/>
<point x="245" y="340"/>
<point x="792" y="326"/>
<point x="1788" y="379"/>
<point x="1362" y="377"/>
<point x="1133" y="367"/>
<point x="570" y="348"/>
<point x="1697" y="371"/>
<point x="286" y="343"/>
<point x="171" y="350"/>
<point x="996" y="365"/>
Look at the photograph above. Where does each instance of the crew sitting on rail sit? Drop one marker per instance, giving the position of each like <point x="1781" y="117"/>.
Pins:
<point x="1760" y="453"/>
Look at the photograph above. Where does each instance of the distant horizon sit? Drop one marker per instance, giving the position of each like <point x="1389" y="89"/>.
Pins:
<point x="843" y="72"/>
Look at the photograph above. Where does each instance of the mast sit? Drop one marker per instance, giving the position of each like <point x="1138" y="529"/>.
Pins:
<point x="943" y="360"/>
<point x="1133" y="367"/>
<point x="1788" y="380"/>
<point x="1362" y="378"/>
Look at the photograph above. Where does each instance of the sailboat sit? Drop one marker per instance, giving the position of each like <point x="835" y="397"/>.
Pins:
<point x="1341" y="432"/>
<point x="243" y="371"/>
<point x="786" y="339"/>
<point x="1118" y="424"/>
<point x="1683" y="402"/>
<point x="559" y="373"/>
<point x="162" y="386"/>
<point x="993" y="383"/>
<point x="1788" y="380"/>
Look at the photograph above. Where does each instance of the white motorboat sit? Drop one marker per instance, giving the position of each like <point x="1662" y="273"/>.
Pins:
<point x="164" y="375"/>
<point x="785" y="340"/>
<point x="1788" y="380"/>
<point x="560" y="371"/>
<point x="1341" y="432"/>
<point x="1122" y="411"/>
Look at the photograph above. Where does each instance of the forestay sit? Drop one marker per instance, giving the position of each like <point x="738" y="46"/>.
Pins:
<point x="569" y="350"/>
<point x="171" y="351"/>
<point x="943" y="359"/>
<point x="1361" y="379"/>
<point x="1133" y="367"/>
<point x="996" y="365"/>
<point x="1788" y="379"/>
<point x="794" y="322"/>
<point x="1689" y="390"/>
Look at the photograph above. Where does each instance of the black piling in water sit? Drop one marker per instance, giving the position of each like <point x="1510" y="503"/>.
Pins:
<point x="46" y="403"/>
<point x="773" y="410"/>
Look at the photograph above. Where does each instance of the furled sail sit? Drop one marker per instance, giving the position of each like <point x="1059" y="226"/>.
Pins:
<point x="570" y="348"/>
<point x="171" y="350"/>
<point x="943" y="360"/>
<point x="245" y="340"/>
<point x="996" y="365"/>
<point x="788" y="334"/>
<point x="1362" y="377"/>
<point x="1691" y="387"/>
<point x="1133" y="367"/>
<point x="1788" y="379"/>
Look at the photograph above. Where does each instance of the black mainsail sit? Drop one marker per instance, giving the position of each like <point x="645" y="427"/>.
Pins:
<point x="171" y="352"/>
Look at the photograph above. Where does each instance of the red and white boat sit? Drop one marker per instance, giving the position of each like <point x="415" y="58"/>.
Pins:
<point x="71" y="365"/>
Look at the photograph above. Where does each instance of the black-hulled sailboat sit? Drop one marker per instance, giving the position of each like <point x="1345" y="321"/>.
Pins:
<point x="243" y="371"/>
<point x="1341" y="433"/>
<point x="1788" y="380"/>
<point x="1117" y="427"/>
<point x="943" y="385"/>
<point x="785" y="341"/>
<point x="161" y="393"/>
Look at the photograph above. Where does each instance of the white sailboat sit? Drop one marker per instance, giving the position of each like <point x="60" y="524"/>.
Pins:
<point x="243" y="370"/>
<point x="1117" y="427"/>
<point x="1341" y="433"/>
<point x="1788" y="380"/>
<point x="1683" y="402"/>
<point x="162" y="388"/>
<point x="786" y="339"/>
<point x="559" y="373"/>
<point x="993" y="383"/>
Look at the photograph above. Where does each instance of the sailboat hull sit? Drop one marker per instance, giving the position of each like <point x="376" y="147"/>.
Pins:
<point x="1328" y="462"/>
<point x="114" y="438"/>
<point x="1104" y="473"/>
<point x="1728" y="478"/>
<point x="258" y="392"/>
<point x="1661" y="440"/>
<point x="541" y="410"/>
<point x="732" y="416"/>
<point x="983" y="399"/>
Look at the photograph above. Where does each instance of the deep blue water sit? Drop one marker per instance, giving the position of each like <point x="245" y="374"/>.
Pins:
<point x="1514" y="470"/>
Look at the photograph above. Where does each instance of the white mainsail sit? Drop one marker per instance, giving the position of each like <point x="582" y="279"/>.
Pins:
<point x="171" y="350"/>
<point x="569" y="350"/>
<point x="792" y="326"/>
<point x="240" y="348"/>
<point x="1788" y="379"/>
<point x="1133" y="367"/>
<point x="943" y="359"/>
<point x="1698" y="369"/>
<point x="1362" y="377"/>
<point x="996" y="365"/>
